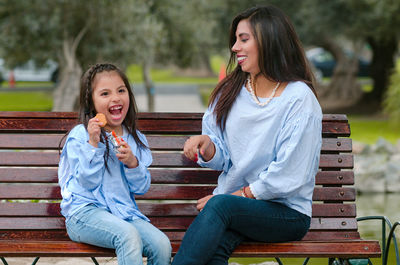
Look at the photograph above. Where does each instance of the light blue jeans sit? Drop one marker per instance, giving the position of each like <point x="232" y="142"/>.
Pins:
<point x="130" y="239"/>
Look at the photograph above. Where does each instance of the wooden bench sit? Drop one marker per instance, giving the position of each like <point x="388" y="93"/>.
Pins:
<point x="31" y="224"/>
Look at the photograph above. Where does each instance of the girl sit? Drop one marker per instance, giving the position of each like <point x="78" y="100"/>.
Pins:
<point x="264" y="192"/>
<point x="99" y="183"/>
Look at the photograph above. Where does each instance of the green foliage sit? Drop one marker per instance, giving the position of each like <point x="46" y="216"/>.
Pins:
<point x="392" y="98"/>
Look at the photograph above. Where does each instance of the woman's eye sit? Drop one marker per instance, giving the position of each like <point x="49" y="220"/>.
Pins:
<point x="122" y="90"/>
<point x="244" y="40"/>
<point x="104" y="94"/>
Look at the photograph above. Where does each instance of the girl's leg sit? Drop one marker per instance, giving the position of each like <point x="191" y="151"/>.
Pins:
<point x="156" y="245"/>
<point x="96" y="226"/>
<point x="259" y="220"/>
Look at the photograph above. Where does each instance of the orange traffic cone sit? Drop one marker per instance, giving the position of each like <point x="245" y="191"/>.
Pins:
<point x="11" y="79"/>
<point x="222" y="72"/>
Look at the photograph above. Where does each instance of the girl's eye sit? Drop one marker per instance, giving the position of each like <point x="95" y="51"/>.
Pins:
<point x="244" y="40"/>
<point x="104" y="94"/>
<point x="122" y="90"/>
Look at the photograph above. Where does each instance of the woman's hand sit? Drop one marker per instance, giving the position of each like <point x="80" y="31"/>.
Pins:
<point x="126" y="156"/>
<point x="202" y="202"/>
<point x="201" y="143"/>
<point x="94" y="130"/>
<point x="246" y="192"/>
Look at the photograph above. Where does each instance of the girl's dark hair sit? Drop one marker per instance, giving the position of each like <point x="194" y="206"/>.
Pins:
<point x="281" y="57"/>
<point x="87" y="110"/>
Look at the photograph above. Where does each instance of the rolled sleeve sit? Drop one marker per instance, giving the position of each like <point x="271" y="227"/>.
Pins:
<point x="221" y="158"/>
<point x="214" y="162"/>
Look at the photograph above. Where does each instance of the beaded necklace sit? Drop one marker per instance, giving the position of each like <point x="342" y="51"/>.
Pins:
<point x="255" y="97"/>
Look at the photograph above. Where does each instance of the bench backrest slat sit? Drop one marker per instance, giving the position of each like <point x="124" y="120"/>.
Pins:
<point x="160" y="176"/>
<point x="164" y="160"/>
<point x="159" y="192"/>
<point x="156" y="143"/>
<point x="163" y="209"/>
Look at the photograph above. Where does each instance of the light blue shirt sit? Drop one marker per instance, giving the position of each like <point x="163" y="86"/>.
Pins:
<point x="84" y="179"/>
<point x="274" y="149"/>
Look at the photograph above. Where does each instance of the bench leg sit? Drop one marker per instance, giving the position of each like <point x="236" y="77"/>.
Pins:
<point x="4" y="261"/>
<point x="36" y="260"/>
<point x="94" y="260"/>
<point x="335" y="261"/>
<point x="279" y="261"/>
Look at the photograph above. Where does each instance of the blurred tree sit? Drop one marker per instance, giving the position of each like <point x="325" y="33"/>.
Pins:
<point x="383" y="38"/>
<point x="179" y="38"/>
<point x="74" y="33"/>
<point x="327" y="23"/>
<point x="392" y="97"/>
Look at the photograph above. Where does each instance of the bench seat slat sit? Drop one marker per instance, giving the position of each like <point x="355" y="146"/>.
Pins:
<point x="345" y="249"/>
<point x="160" y="176"/>
<point x="16" y="209"/>
<point x="166" y="143"/>
<point x="173" y="222"/>
<point x="340" y="249"/>
<point x="157" y="192"/>
<point x="163" y="160"/>
<point x="61" y="235"/>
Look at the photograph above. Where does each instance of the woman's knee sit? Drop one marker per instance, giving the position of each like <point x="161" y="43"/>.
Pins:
<point x="218" y="202"/>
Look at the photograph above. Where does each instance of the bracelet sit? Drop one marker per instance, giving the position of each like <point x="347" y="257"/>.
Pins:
<point x="245" y="193"/>
<point x="242" y="192"/>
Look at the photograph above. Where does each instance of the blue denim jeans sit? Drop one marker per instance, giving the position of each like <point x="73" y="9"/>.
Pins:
<point x="130" y="239"/>
<point x="227" y="220"/>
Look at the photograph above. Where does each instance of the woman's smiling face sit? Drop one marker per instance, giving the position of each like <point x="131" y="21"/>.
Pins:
<point x="246" y="48"/>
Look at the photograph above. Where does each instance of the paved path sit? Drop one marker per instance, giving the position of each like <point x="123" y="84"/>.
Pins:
<point x="171" y="98"/>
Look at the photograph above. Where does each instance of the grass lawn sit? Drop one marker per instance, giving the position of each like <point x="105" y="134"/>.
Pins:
<point x="29" y="84"/>
<point x="368" y="130"/>
<point x="26" y="101"/>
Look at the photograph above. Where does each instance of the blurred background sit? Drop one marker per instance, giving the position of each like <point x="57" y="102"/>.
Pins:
<point x="174" y="52"/>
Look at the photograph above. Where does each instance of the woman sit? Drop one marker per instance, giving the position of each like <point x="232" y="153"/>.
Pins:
<point x="263" y="131"/>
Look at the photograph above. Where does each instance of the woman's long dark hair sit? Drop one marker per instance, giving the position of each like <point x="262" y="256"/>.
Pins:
<point x="87" y="110"/>
<point x="281" y="57"/>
